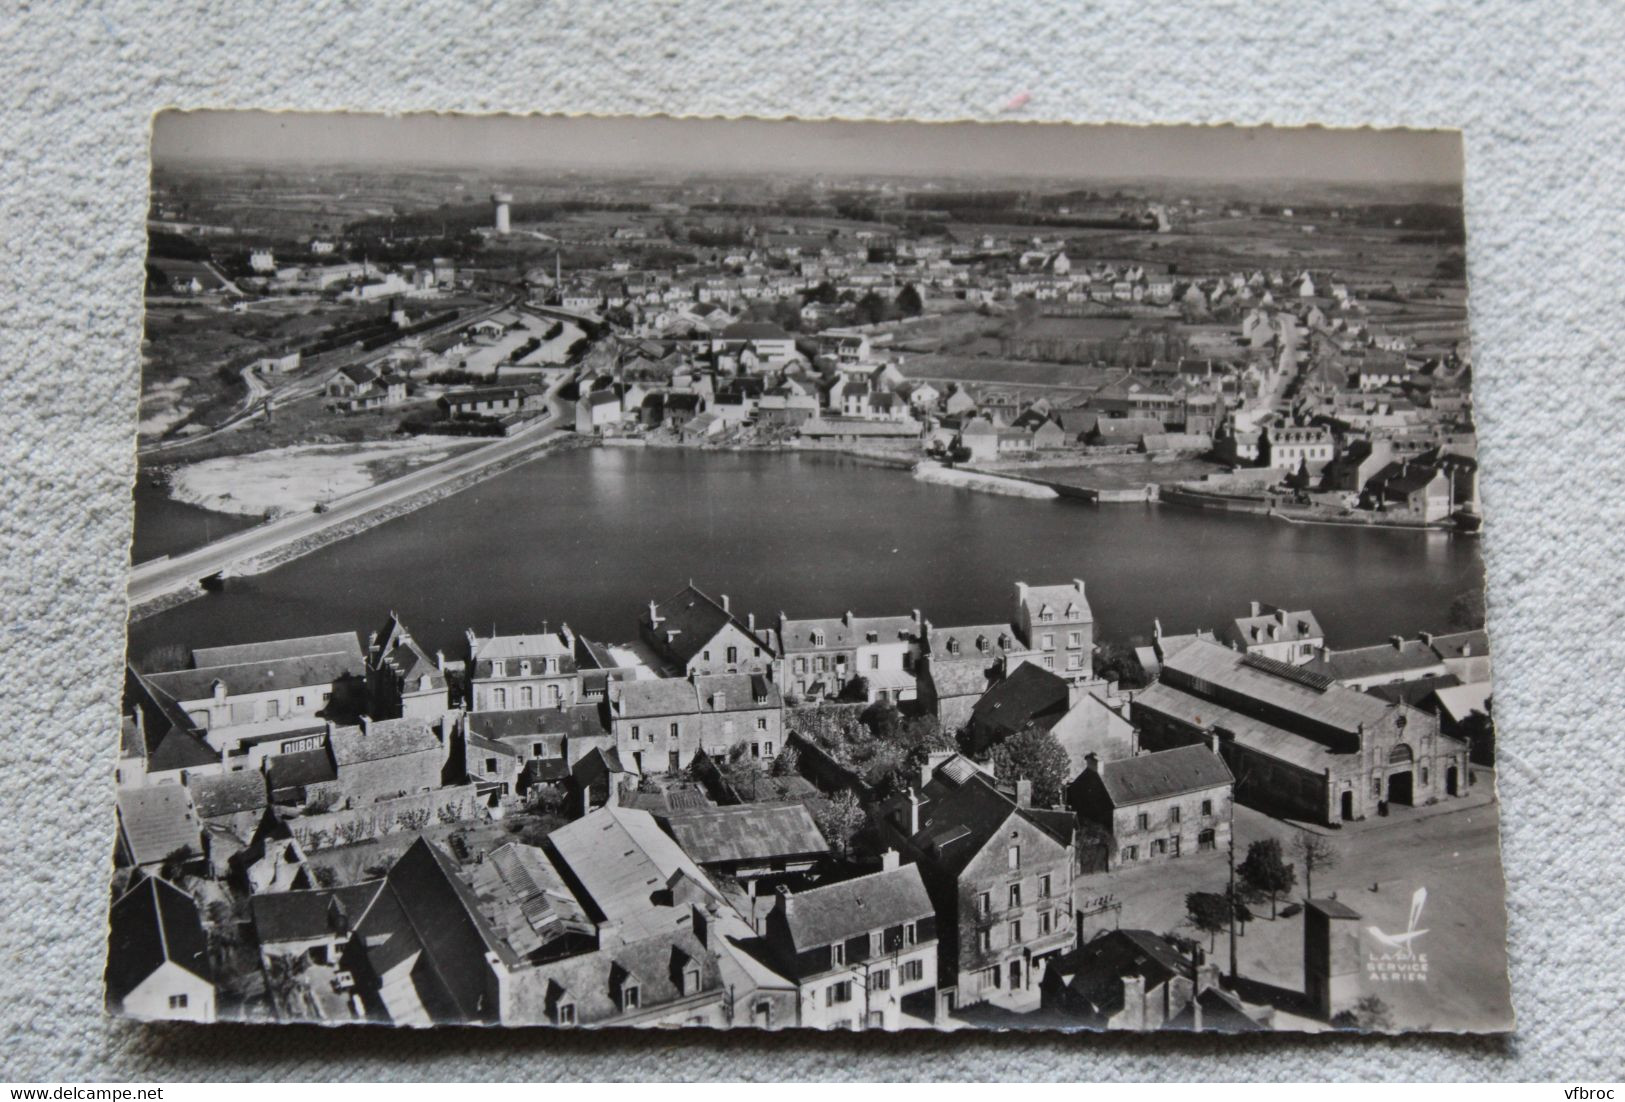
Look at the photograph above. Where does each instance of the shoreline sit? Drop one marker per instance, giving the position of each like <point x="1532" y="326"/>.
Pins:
<point x="300" y="548"/>
<point x="923" y="469"/>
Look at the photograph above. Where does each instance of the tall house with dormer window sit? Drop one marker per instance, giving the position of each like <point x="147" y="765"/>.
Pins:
<point x="517" y="672"/>
<point x="1058" y="627"/>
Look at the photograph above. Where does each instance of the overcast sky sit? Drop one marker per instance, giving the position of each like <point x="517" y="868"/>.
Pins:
<point x="552" y="142"/>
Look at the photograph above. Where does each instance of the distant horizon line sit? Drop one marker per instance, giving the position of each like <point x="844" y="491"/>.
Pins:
<point x="755" y="146"/>
<point x="520" y="169"/>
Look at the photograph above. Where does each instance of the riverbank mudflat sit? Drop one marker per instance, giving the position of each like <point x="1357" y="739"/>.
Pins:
<point x="299" y="548"/>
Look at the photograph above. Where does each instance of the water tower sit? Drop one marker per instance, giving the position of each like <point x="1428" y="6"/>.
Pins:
<point x="502" y="199"/>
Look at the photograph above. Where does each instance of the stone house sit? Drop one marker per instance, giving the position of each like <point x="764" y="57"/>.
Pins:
<point x="519" y="672"/>
<point x="999" y="874"/>
<point x="380" y="759"/>
<point x="695" y="635"/>
<point x="1156" y="806"/>
<point x="659" y="724"/>
<point x="1057" y="626"/>
<point x="821" y="658"/>
<point x="862" y="952"/>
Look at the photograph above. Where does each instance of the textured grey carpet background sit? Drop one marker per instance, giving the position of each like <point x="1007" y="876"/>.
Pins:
<point x="1536" y="88"/>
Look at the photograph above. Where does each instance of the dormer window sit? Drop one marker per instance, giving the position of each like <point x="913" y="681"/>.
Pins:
<point x="691" y="980"/>
<point x="818" y="638"/>
<point x="498" y="668"/>
<point x="631" y="997"/>
<point x="524" y="667"/>
<point x="1047" y="615"/>
<point x="565" y="1014"/>
<point x="953" y="646"/>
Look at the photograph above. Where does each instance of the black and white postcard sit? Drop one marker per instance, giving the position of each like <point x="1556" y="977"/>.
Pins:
<point x="632" y="572"/>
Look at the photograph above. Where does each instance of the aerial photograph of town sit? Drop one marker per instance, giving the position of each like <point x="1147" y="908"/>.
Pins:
<point x="704" y="573"/>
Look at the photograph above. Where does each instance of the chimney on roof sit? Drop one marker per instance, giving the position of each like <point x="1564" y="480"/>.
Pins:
<point x="846" y="617"/>
<point x="1077" y="584"/>
<point x="725" y="607"/>
<point x="913" y="812"/>
<point x="1398" y="641"/>
<point x="1024" y="793"/>
<point x="366" y="725"/>
<point x="750" y="622"/>
<point x="1427" y="638"/>
<point x="1256" y="609"/>
<point x="654" y="614"/>
<point x="1091" y="762"/>
<point x="918" y="620"/>
<point x="889" y="860"/>
<point x="440" y="660"/>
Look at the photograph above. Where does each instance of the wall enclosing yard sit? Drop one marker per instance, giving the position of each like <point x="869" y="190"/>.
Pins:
<point x="358" y="824"/>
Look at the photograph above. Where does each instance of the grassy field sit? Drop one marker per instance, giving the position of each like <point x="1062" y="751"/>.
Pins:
<point x="948" y="367"/>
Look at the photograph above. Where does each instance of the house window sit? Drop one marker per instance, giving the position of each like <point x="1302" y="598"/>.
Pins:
<point x="706" y="655"/>
<point x="767" y="749"/>
<point x="821" y="664"/>
<point x="527" y="697"/>
<point x="874" y="661"/>
<point x="273" y="708"/>
<point x="1376" y="787"/>
<point x="635" y="732"/>
<point x="1142" y="820"/>
<point x="1015" y="895"/>
<point x="500" y="698"/>
<point x="1043" y="886"/>
<point x="554" y="693"/>
<point x="1159" y="847"/>
<point x="733" y="654"/>
<point x="984" y="904"/>
<point x="1131" y="853"/>
<point x="326" y="697"/>
<point x="881" y="980"/>
<point x="1173" y="814"/>
<point x="630" y="997"/>
<point x="298" y="702"/>
<point x="1074" y="638"/>
<point x="490" y="767"/>
<point x="837" y="993"/>
<point x="177" y="1002"/>
<point x="1049" y="662"/>
<point x="801" y="665"/>
<point x="984" y="940"/>
<point x="911" y="933"/>
<point x="1045" y="923"/>
<point x="672" y="730"/>
<point x="566" y="1014"/>
<point x="535" y="749"/>
<point x="1074" y="661"/>
<point x="761" y="723"/>
<point x="1049" y="641"/>
<point x="913" y="971"/>
<point x="1015" y="933"/>
<point x="1207" y="807"/>
<point x="1015" y="857"/>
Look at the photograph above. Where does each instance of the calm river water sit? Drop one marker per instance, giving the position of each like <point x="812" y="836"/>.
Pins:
<point x="590" y="536"/>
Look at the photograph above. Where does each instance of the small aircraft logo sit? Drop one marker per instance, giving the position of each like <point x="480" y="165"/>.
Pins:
<point x="1402" y="942"/>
